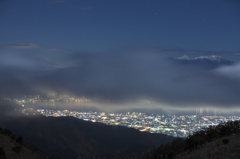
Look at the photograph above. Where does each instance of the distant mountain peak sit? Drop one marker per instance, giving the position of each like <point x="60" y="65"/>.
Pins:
<point x="210" y="61"/>
<point x="213" y="57"/>
<point x="185" y="57"/>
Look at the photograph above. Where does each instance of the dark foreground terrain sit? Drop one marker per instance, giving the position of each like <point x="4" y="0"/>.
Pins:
<point x="13" y="147"/>
<point x="68" y="137"/>
<point x="216" y="142"/>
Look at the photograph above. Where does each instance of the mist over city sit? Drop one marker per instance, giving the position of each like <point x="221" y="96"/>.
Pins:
<point x="124" y="78"/>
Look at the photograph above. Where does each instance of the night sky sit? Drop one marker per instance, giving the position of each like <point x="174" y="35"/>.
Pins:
<point x="122" y="51"/>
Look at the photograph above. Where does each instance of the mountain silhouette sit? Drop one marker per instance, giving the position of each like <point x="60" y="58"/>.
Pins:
<point x="67" y="137"/>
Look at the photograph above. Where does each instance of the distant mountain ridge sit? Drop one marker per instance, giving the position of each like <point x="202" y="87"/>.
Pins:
<point x="204" y="61"/>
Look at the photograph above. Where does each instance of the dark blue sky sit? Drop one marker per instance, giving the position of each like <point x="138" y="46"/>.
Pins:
<point x="120" y="50"/>
<point x="209" y="25"/>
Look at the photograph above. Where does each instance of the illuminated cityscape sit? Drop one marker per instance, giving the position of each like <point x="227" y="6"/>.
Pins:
<point x="172" y="125"/>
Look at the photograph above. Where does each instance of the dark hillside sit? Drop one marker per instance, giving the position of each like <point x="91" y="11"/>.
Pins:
<point x="67" y="136"/>
<point x="220" y="142"/>
<point x="12" y="147"/>
<point x="219" y="148"/>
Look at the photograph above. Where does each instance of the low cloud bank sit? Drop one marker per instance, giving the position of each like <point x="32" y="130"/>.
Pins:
<point x="124" y="77"/>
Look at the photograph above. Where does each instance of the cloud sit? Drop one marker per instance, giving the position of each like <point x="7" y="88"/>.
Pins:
<point x="230" y="71"/>
<point x="34" y="46"/>
<point x="146" y="75"/>
<point x="23" y="46"/>
<point x="131" y="76"/>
